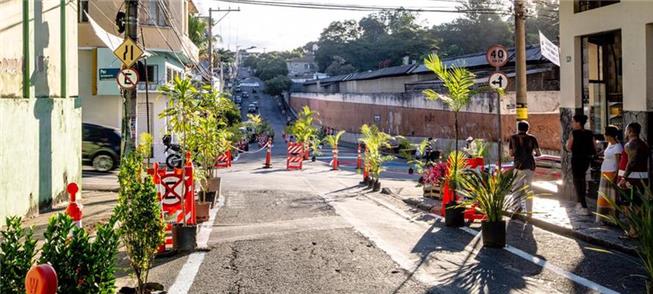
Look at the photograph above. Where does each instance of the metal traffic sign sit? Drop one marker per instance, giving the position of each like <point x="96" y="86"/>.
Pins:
<point x="127" y="78"/>
<point x="128" y="52"/>
<point x="497" y="56"/>
<point x="498" y="81"/>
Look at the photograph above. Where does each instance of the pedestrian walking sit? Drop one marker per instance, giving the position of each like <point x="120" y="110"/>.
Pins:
<point x="609" y="170"/>
<point x="581" y="146"/>
<point x="523" y="148"/>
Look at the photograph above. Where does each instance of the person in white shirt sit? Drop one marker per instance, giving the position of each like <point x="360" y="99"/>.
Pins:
<point x="609" y="170"/>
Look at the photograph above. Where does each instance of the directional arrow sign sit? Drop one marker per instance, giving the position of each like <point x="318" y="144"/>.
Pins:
<point x="127" y="78"/>
<point x="128" y="52"/>
<point x="498" y="81"/>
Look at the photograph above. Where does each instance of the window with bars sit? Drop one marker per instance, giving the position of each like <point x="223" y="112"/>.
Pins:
<point x="584" y="5"/>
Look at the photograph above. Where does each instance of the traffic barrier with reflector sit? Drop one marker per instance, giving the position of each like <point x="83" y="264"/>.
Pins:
<point x="295" y="156"/>
<point x="334" y="161"/>
<point x="74" y="210"/>
<point x="224" y="160"/>
<point x="176" y="197"/>
<point x="359" y="159"/>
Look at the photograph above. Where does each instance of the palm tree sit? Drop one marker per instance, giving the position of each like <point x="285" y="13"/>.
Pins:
<point x="458" y="83"/>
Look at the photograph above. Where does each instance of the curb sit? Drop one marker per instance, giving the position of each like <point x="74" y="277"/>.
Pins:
<point x="540" y="224"/>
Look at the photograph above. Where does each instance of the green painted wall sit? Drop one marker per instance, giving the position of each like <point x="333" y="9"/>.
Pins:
<point x="40" y="114"/>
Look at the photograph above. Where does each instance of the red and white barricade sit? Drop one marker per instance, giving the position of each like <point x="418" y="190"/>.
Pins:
<point x="224" y="160"/>
<point x="176" y="197"/>
<point x="295" y="156"/>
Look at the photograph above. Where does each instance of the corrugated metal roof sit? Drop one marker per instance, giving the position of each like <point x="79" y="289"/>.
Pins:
<point x="478" y="59"/>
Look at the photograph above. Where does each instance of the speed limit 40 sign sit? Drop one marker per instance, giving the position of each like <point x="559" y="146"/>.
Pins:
<point x="497" y="56"/>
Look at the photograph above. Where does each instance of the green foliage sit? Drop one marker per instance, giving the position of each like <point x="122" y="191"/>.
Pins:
<point x="182" y="106"/>
<point x="639" y="219"/>
<point x="277" y="85"/>
<point x="303" y="128"/>
<point x="375" y="141"/>
<point x="269" y="66"/>
<point x="420" y="164"/>
<point x="456" y="166"/>
<point x="333" y="140"/>
<point x="138" y="212"/>
<point x="339" y="66"/>
<point x="17" y="252"/>
<point x="457" y="80"/>
<point x="493" y="193"/>
<point x="82" y="266"/>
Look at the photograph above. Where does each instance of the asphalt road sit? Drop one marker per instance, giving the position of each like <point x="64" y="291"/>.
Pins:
<point x="317" y="231"/>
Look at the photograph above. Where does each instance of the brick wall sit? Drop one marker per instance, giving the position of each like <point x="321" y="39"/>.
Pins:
<point x="410" y="121"/>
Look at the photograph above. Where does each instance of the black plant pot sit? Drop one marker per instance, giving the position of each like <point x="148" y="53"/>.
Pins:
<point x="184" y="237"/>
<point x="376" y="187"/>
<point x="210" y="197"/>
<point x="149" y="288"/>
<point x="370" y="183"/>
<point x="454" y="216"/>
<point x="494" y="234"/>
<point x="411" y="171"/>
<point x="313" y="158"/>
<point x="649" y="287"/>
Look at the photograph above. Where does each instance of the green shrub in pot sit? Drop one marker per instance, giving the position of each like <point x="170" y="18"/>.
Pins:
<point x="493" y="194"/>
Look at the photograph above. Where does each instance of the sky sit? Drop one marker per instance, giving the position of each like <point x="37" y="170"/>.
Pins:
<point x="281" y="28"/>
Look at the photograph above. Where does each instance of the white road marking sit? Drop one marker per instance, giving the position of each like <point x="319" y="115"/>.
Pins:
<point x="186" y="276"/>
<point x="518" y="252"/>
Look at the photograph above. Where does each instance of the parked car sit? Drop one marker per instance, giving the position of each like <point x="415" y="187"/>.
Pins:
<point x="100" y="147"/>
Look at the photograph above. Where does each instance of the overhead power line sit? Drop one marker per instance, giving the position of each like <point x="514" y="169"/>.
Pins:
<point x="355" y="7"/>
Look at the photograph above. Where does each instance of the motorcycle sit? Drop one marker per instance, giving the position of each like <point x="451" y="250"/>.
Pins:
<point x="174" y="158"/>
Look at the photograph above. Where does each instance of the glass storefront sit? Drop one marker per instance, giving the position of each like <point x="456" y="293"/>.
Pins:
<point x="602" y="80"/>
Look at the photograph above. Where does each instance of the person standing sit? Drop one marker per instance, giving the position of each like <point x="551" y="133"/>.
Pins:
<point x="581" y="146"/>
<point x="635" y="173"/>
<point x="609" y="169"/>
<point x="522" y="148"/>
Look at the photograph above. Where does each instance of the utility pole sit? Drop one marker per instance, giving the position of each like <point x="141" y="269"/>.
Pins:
<point x="520" y="62"/>
<point x="211" y="10"/>
<point x="129" y="95"/>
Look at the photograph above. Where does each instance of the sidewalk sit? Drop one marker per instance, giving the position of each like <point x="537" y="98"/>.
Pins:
<point x="550" y="213"/>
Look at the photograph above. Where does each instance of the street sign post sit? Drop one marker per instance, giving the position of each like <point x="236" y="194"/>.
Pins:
<point x="498" y="81"/>
<point x="127" y="78"/>
<point x="497" y="56"/>
<point x="128" y="52"/>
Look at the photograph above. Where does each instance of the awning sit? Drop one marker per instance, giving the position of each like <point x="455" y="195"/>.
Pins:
<point x="108" y="39"/>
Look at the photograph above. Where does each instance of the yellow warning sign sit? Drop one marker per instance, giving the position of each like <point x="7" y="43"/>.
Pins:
<point x="128" y="52"/>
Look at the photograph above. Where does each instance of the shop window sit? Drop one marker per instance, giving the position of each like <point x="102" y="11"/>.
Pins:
<point x="602" y="80"/>
<point x="584" y="5"/>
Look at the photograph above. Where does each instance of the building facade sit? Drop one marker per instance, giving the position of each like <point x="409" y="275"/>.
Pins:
<point x="606" y="70"/>
<point x="40" y="113"/>
<point x="303" y="67"/>
<point x="163" y="26"/>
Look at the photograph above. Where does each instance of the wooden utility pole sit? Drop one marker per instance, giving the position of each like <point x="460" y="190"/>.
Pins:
<point x="520" y="61"/>
<point x="129" y="95"/>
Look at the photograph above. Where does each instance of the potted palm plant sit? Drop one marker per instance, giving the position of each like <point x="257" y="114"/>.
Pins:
<point x="493" y="194"/>
<point x="454" y="215"/>
<point x="181" y="113"/>
<point x="333" y="141"/>
<point x="637" y="220"/>
<point x="374" y="141"/>
<point x="477" y="152"/>
<point x="458" y="83"/>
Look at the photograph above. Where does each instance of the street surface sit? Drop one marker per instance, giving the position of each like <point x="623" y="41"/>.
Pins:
<point x="318" y="231"/>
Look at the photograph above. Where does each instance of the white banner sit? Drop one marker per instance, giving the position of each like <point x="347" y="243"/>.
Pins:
<point x="549" y="50"/>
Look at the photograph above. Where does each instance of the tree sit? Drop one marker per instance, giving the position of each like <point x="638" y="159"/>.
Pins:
<point x="339" y="66"/>
<point x="277" y="85"/>
<point x="269" y="66"/>
<point x="545" y="18"/>
<point x="458" y="82"/>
